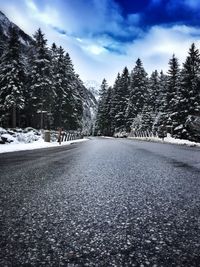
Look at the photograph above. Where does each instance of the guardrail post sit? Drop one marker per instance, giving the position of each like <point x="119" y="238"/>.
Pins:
<point x="59" y="135"/>
<point x="47" y="136"/>
<point x="65" y="136"/>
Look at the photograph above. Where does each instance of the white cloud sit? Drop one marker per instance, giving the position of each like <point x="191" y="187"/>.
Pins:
<point x="94" y="49"/>
<point x="31" y="5"/>
<point x="192" y="3"/>
<point x="47" y="16"/>
<point x="157" y="47"/>
<point x="87" y="45"/>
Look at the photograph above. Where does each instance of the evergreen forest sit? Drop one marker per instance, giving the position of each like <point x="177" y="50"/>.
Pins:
<point x="155" y="105"/>
<point x="38" y="88"/>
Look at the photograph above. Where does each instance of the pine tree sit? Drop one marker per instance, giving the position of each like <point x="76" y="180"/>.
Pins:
<point x="67" y="111"/>
<point x="147" y="117"/>
<point x="74" y="105"/>
<point x="12" y="80"/>
<point x="159" y="125"/>
<point x="120" y="100"/>
<point x="189" y="104"/>
<point x="101" y="121"/>
<point x="59" y="82"/>
<point x="151" y="103"/>
<point x="41" y="89"/>
<point x="173" y="93"/>
<point x="154" y="91"/>
<point x="108" y="121"/>
<point x="191" y="81"/>
<point x="138" y="91"/>
<point x="114" y="103"/>
<point x="162" y="97"/>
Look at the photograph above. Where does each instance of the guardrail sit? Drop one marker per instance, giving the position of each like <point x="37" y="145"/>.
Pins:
<point x="139" y="134"/>
<point x="61" y="136"/>
<point x="64" y="136"/>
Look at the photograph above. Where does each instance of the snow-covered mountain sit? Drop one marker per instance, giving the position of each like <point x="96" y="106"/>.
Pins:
<point x="5" y="23"/>
<point x="89" y="111"/>
<point x="94" y="87"/>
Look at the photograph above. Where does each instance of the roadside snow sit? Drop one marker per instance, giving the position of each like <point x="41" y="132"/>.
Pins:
<point x="169" y="140"/>
<point x="107" y="137"/>
<point x="172" y="140"/>
<point x="2" y="130"/>
<point x="18" y="135"/>
<point x="8" y="137"/>
<point x="35" y="145"/>
<point x="27" y="139"/>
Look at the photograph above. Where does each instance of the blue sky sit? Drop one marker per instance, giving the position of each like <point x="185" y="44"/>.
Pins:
<point x="104" y="36"/>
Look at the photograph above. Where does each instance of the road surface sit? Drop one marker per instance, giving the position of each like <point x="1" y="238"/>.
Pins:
<point x="104" y="202"/>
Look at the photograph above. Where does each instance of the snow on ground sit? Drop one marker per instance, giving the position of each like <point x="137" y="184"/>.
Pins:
<point x="107" y="137"/>
<point x="17" y="136"/>
<point x="11" y="147"/>
<point x="169" y="140"/>
<point x="27" y="139"/>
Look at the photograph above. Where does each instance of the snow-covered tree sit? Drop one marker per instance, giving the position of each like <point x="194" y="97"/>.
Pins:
<point x="74" y="105"/>
<point x="12" y="82"/>
<point x="138" y="92"/>
<point x="41" y="89"/>
<point x="101" y="122"/>
<point x="162" y="96"/>
<point x="151" y="103"/>
<point x="190" y="82"/>
<point x="119" y="102"/>
<point x="147" y="117"/>
<point x="173" y="94"/>
<point x="113" y="102"/>
<point x="121" y="99"/>
<point x="159" y="124"/>
<point x="189" y="104"/>
<point x="68" y="107"/>
<point x="59" y="82"/>
<point x="154" y="91"/>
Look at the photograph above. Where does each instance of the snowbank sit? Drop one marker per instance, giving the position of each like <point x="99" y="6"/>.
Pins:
<point x="172" y="140"/>
<point x="121" y="134"/>
<point x="169" y="140"/>
<point x="27" y="139"/>
<point x="35" y="145"/>
<point x="17" y="136"/>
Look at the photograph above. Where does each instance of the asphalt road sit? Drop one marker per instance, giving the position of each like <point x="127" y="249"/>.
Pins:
<point x="104" y="202"/>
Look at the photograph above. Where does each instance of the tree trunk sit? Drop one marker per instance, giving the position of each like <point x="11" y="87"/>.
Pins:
<point x="41" y="120"/>
<point x="14" y="116"/>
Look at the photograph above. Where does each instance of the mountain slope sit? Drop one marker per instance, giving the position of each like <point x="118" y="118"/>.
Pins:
<point x="93" y="86"/>
<point x="5" y="23"/>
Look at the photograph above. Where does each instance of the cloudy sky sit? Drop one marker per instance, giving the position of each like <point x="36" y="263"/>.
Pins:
<point x="104" y="36"/>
